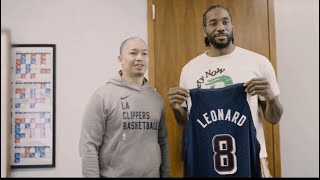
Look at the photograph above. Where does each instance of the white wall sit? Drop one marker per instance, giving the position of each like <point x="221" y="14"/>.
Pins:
<point x="297" y="38"/>
<point x="5" y="111"/>
<point x="87" y="34"/>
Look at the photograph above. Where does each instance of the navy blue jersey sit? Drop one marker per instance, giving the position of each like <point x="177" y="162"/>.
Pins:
<point x="221" y="137"/>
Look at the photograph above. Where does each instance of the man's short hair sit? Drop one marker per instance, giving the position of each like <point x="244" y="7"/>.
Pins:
<point x="126" y="40"/>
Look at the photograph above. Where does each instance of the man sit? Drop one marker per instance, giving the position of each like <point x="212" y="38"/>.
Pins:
<point x="224" y="64"/>
<point x="124" y="132"/>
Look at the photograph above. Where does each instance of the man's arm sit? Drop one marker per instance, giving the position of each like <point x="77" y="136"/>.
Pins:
<point x="163" y="142"/>
<point x="181" y="115"/>
<point x="91" y="137"/>
<point x="177" y="96"/>
<point x="271" y="107"/>
<point x="272" y="110"/>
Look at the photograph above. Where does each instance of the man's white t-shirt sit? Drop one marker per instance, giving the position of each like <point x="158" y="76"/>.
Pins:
<point x="240" y="66"/>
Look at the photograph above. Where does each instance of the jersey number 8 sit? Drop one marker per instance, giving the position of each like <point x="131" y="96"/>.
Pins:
<point x="224" y="158"/>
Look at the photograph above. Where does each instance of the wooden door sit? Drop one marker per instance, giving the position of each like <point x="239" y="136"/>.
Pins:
<point x="176" y="36"/>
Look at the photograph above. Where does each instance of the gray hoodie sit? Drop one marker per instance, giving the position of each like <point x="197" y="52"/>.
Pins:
<point x="124" y="132"/>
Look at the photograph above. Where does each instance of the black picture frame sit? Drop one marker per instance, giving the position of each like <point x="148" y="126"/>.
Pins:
<point x="33" y="107"/>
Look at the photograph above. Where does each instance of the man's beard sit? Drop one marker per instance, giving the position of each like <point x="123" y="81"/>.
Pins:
<point x="218" y="44"/>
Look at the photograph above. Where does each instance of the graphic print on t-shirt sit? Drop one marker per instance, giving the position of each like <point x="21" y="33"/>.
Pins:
<point x="220" y="81"/>
<point x="214" y="79"/>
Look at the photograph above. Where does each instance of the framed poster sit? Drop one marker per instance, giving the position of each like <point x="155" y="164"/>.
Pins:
<point x="33" y="105"/>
